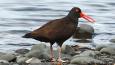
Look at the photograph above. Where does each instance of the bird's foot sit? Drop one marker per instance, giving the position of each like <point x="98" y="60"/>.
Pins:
<point x="53" y="59"/>
<point x="60" y="60"/>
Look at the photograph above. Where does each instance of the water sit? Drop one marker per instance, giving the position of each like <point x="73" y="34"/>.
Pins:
<point x="18" y="17"/>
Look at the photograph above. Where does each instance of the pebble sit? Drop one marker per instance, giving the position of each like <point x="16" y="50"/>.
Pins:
<point x="33" y="60"/>
<point x="67" y="49"/>
<point x="109" y="50"/>
<point x="8" y="57"/>
<point x="22" y="51"/>
<point x="85" y="60"/>
<point x="21" y="59"/>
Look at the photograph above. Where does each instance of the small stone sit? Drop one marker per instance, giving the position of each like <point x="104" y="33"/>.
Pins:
<point x="87" y="53"/>
<point x="22" y="51"/>
<point x="1" y="53"/>
<point x="67" y="49"/>
<point x="109" y="50"/>
<point x="40" y="47"/>
<point x="33" y="60"/>
<point x="8" y="57"/>
<point x="98" y="48"/>
<point x="38" y="54"/>
<point x="4" y="61"/>
<point x="21" y="59"/>
<point x="112" y="40"/>
<point x="39" y="51"/>
<point x="85" y="60"/>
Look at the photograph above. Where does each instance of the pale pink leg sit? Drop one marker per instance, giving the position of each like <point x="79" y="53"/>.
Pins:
<point x="51" y="52"/>
<point x="59" y="52"/>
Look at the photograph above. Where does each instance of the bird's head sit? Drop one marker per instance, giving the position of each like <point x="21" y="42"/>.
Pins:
<point x="77" y="13"/>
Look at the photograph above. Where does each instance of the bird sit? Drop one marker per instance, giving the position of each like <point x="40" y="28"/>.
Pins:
<point x="59" y="30"/>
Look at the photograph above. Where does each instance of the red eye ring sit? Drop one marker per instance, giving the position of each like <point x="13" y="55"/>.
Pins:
<point x="77" y="10"/>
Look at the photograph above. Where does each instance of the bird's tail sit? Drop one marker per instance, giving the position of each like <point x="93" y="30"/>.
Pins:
<point x="28" y="35"/>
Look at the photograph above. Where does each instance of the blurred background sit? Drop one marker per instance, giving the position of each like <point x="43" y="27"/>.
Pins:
<point x="18" y="17"/>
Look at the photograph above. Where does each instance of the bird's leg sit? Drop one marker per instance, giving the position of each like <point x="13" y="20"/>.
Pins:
<point x="51" y="52"/>
<point x="59" y="53"/>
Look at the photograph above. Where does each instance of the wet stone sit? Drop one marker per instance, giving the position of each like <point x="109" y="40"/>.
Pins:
<point x="8" y="57"/>
<point x="33" y="60"/>
<point x="21" y="59"/>
<point x="22" y="51"/>
<point x="85" y="60"/>
<point x="109" y="50"/>
<point x="84" y="31"/>
<point x="67" y="49"/>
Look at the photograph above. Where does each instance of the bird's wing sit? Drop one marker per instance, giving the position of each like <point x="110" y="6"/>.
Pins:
<point x="55" y="29"/>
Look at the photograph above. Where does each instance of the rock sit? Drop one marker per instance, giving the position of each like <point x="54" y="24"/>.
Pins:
<point x="109" y="50"/>
<point x="38" y="54"/>
<point x="67" y="49"/>
<point x="107" y="59"/>
<point x="85" y="60"/>
<point x="39" y="51"/>
<point x="33" y="60"/>
<point x="22" y="51"/>
<point x="99" y="47"/>
<point x="8" y="57"/>
<point x="1" y="53"/>
<point x="4" y="61"/>
<point x="87" y="53"/>
<point x="112" y="40"/>
<point x="21" y="59"/>
<point x="16" y="64"/>
<point x="84" y="31"/>
<point x="40" y="47"/>
<point x="63" y="55"/>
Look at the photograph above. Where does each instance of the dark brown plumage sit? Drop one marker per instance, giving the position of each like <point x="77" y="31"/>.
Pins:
<point x="58" y="30"/>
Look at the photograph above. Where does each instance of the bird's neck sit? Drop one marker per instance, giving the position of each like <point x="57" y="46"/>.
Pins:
<point x="72" y="20"/>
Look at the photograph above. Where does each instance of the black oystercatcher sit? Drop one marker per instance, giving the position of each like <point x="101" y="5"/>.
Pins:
<point x="58" y="30"/>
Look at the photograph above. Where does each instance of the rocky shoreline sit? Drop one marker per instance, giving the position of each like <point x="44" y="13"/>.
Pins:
<point x="73" y="55"/>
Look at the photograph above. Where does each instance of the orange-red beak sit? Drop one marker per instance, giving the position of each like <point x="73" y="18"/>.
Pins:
<point x="82" y="15"/>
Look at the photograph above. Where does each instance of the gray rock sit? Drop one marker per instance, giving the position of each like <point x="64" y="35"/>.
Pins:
<point x="4" y="61"/>
<point x="84" y="31"/>
<point x="39" y="51"/>
<point x="15" y="64"/>
<point x="107" y="59"/>
<point x="38" y="54"/>
<point x="8" y="57"/>
<point x="64" y="56"/>
<point x="33" y="60"/>
<point x="21" y="59"/>
<point x="112" y="40"/>
<point x="67" y="49"/>
<point x="40" y="47"/>
<point x="108" y="50"/>
<point x="99" y="47"/>
<point x="85" y="60"/>
<point x="1" y="53"/>
<point x="22" y="51"/>
<point x="87" y="53"/>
